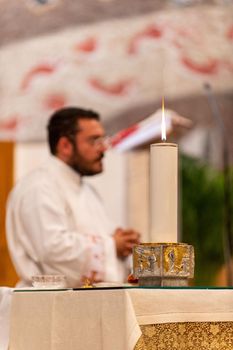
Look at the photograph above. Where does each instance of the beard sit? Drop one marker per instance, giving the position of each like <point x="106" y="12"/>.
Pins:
<point x="85" y="167"/>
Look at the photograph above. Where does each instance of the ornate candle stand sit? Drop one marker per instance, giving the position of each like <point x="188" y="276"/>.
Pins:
<point x="163" y="264"/>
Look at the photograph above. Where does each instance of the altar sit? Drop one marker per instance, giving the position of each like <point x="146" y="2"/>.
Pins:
<point x="122" y="319"/>
<point x="161" y="312"/>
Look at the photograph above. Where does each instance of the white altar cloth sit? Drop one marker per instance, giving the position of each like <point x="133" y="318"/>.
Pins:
<point x="5" y="302"/>
<point x="107" y="319"/>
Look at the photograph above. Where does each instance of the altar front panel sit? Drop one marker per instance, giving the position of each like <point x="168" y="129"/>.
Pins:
<point x="127" y="319"/>
<point x="187" y="336"/>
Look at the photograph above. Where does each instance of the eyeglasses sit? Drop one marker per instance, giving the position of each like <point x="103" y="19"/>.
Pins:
<point x="103" y="141"/>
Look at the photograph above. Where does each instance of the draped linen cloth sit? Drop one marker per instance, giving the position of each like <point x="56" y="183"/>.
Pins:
<point x="81" y="320"/>
<point x="5" y="304"/>
<point x="154" y="306"/>
<point x="184" y="319"/>
<point x="110" y="319"/>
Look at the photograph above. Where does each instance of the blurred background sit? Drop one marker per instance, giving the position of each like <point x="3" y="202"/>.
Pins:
<point x="120" y="58"/>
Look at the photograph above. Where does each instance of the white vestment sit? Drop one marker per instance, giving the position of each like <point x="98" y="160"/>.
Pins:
<point x="56" y="224"/>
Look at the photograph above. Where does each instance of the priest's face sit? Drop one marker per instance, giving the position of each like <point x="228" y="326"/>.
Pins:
<point x="88" y="148"/>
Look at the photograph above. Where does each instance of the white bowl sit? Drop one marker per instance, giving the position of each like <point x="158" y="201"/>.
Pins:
<point x="49" y="281"/>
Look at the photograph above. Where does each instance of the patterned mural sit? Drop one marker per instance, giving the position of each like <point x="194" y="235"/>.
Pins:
<point x="113" y="65"/>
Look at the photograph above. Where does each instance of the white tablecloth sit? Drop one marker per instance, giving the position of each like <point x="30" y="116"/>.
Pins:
<point x="107" y="319"/>
<point x="5" y="301"/>
<point x="182" y="305"/>
<point x="80" y="320"/>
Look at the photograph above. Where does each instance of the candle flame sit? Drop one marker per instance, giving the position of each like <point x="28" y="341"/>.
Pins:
<point x="163" y="124"/>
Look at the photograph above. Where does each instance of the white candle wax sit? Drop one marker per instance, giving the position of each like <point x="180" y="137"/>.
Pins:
<point x="163" y="192"/>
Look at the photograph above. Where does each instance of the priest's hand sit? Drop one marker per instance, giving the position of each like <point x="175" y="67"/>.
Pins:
<point x="125" y="240"/>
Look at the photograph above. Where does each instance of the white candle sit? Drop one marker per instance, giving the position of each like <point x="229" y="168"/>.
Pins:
<point x="163" y="192"/>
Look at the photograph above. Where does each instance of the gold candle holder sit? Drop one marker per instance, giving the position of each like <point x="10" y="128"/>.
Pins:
<point x="163" y="264"/>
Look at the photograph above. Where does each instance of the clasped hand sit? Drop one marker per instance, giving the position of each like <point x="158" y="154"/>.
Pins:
<point x="125" y="240"/>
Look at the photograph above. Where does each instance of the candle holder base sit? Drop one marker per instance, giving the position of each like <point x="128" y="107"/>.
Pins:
<point x="163" y="264"/>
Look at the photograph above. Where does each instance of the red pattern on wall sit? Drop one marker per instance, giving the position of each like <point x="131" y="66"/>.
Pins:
<point x="108" y="69"/>
<point x="11" y="124"/>
<point x="229" y="33"/>
<point x="210" y="67"/>
<point x="41" y="69"/>
<point x="55" y="101"/>
<point x="150" y="32"/>
<point x="120" y="88"/>
<point x="88" y="45"/>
